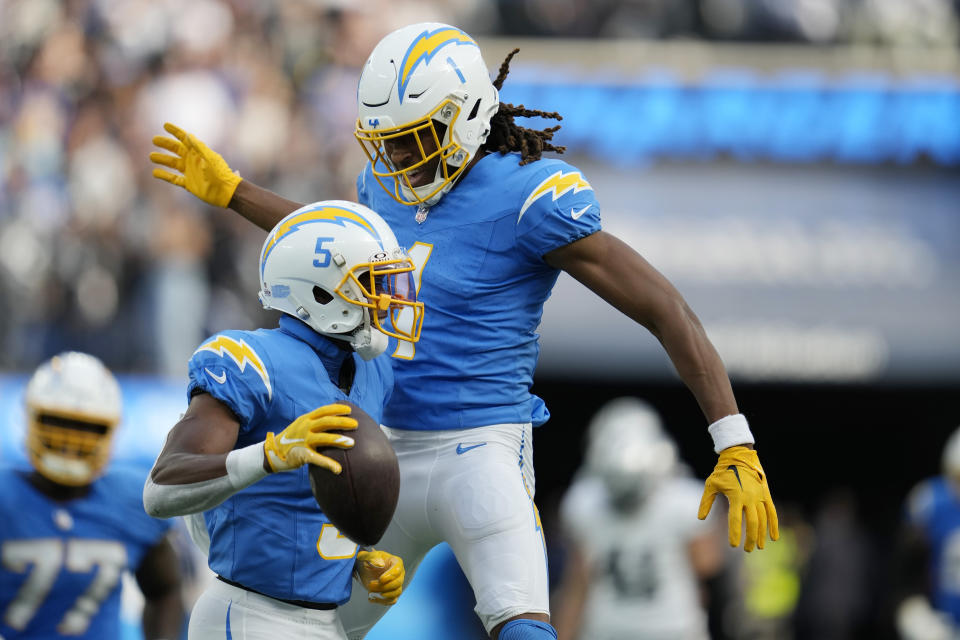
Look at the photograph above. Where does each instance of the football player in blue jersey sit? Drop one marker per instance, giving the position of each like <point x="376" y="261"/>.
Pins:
<point x="489" y="225"/>
<point x="928" y="575"/>
<point x="260" y="405"/>
<point x="72" y="525"/>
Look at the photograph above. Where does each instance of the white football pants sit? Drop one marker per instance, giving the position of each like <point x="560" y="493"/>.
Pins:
<point x="473" y="489"/>
<point x="224" y="611"/>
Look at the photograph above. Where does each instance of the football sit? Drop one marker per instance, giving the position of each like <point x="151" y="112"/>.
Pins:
<point x="361" y="500"/>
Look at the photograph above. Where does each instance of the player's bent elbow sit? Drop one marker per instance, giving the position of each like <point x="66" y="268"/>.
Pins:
<point x="169" y="500"/>
<point x="155" y="502"/>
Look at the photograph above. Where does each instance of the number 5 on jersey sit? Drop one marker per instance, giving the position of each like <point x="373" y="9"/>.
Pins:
<point x="333" y="545"/>
<point x="419" y="253"/>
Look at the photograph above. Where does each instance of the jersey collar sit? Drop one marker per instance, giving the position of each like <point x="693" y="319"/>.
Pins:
<point x="330" y="353"/>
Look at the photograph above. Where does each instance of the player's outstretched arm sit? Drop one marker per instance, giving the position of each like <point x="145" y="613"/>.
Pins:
<point x="192" y="165"/>
<point x="620" y="275"/>
<point x="199" y="468"/>
<point x="381" y="574"/>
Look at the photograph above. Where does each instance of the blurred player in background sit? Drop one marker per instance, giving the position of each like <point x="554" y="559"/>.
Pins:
<point x="637" y="557"/>
<point x="71" y="525"/>
<point x="928" y="577"/>
<point x="490" y="225"/>
<point x="261" y="403"/>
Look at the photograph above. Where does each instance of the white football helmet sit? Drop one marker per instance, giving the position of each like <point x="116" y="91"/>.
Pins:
<point x="73" y="408"/>
<point x="337" y="266"/>
<point x="629" y="450"/>
<point x="427" y="81"/>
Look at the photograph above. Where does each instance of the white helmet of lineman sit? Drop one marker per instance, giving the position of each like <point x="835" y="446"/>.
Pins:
<point x="629" y="450"/>
<point x="337" y="266"/>
<point x="427" y="81"/>
<point x="73" y="408"/>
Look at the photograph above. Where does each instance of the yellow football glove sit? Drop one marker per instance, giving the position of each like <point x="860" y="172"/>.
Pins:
<point x="296" y="445"/>
<point x="204" y="173"/>
<point x="381" y="574"/>
<point x="739" y="476"/>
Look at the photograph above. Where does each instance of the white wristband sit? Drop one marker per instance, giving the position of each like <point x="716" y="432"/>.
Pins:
<point x="730" y="431"/>
<point x="245" y="466"/>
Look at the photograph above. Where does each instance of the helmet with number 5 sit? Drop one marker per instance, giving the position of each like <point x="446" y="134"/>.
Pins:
<point x="425" y="88"/>
<point x="337" y="266"/>
<point x="73" y="407"/>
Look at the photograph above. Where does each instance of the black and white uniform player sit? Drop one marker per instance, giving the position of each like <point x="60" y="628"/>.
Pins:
<point x="637" y="550"/>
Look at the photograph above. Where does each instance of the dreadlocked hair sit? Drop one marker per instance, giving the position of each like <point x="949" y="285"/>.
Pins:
<point x="506" y="136"/>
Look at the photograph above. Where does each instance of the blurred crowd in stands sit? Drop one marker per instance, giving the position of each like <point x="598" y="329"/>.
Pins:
<point x="96" y="255"/>
<point x="893" y="22"/>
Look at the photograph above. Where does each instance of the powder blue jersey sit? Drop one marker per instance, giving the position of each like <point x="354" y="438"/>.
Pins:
<point x="483" y="282"/>
<point x="934" y="507"/>
<point x="62" y="561"/>
<point x="272" y="536"/>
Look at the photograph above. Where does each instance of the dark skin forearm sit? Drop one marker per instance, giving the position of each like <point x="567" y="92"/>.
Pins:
<point x="197" y="446"/>
<point x="261" y="207"/>
<point x="163" y="617"/>
<point x="158" y="577"/>
<point x="619" y="275"/>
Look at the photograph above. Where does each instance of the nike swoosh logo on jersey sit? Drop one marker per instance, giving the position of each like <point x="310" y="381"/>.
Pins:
<point x="462" y="449"/>
<point x="219" y="378"/>
<point x="576" y="214"/>
<point x="286" y="440"/>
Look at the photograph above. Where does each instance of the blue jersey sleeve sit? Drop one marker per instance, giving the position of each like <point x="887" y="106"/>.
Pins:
<point x="230" y="368"/>
<point x="560" y="207"/>
<point x="386" y="374"/>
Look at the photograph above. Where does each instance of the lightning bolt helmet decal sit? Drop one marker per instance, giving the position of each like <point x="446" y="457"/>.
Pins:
<point x="325" y="214"/>
<point x="423" y="48"/>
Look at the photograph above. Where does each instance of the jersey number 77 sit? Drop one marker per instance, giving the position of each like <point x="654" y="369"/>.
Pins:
<point x="45" y="558"/>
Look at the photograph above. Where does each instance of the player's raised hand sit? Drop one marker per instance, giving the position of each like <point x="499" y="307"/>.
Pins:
<point x="202" y="171"/>
<point x="381" y="574"/>
<point x="296" y="445"/>
<point x="739" y="476"/>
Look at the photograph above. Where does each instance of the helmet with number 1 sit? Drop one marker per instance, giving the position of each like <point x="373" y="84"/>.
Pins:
<point x="337" y="266"/>
<point x="425" y="86"/>
<point x="629" y="450"/>
<point x="73" y="408"/>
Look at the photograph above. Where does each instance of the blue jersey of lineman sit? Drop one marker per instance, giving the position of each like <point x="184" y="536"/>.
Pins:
<point x="484" y="282"/>
<point x="62" y="561"/>
<point x="272" y="537"/>
<point x="934" y="507"/>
